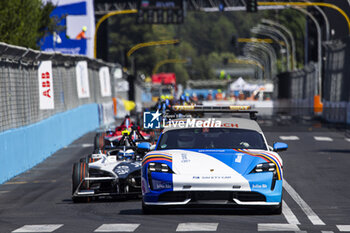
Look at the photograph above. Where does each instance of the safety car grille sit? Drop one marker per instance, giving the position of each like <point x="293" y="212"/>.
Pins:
<point x="250" y="196"/>
<point x="210" y="195"/>
<point x="174" y="196"/>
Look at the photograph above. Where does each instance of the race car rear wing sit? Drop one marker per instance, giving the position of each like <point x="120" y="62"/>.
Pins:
<point x="195" y="109"/>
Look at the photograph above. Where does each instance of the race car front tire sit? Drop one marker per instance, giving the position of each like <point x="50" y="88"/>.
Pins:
<point x="80" y="171"/>
<point x="88" y="159"/>
<point x="99" y="141"/>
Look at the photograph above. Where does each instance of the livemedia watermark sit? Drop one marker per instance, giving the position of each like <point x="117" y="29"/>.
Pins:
<point x="155" y="120"/>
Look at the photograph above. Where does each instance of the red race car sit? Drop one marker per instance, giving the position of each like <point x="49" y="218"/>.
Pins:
<point x="109" y="138"/>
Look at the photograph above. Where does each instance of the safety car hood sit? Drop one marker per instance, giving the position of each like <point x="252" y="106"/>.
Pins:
<point x="217" y="161"/>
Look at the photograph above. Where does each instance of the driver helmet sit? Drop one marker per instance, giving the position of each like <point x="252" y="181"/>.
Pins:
<point x="109" y="132"/>
<point x="126" y="154"/>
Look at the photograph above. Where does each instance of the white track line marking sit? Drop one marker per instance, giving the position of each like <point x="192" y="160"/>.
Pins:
<point x="289" y="215"/>
<point x="344" y="228"/>
<point x="289" y="138"/>
<point x="39" y="228"/>
<point x="347" y="139"/>
<point x="327" y="231"/>
<point x="277" y="227"/>
<point x="118" y="227"/>
<point x="303" y="205"/>
<point x="4" y="192"/>
<point x="200" y="226"/>
<point x="87" y="145"/>
<point x="323" y="139"/>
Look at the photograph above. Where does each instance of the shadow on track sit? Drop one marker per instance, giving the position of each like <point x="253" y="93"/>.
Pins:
<point x="200" y="211"/>
<point x="102" y="200"/>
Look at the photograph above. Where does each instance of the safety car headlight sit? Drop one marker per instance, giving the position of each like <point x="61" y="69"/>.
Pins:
<point x="159" y="167"/>
<point x="121" y="169"/>
<point x="264" y="167"/>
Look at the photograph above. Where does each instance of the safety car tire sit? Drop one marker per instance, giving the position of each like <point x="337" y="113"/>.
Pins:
<point x="146" y="209"/>
<point x="277" y="210"/>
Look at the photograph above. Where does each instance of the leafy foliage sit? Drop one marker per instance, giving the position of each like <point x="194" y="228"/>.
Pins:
<point x="206" y="39"/>
<point x="24" y="22"/>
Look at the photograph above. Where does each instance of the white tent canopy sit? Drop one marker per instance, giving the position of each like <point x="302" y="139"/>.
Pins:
<point x="241" y="85"/>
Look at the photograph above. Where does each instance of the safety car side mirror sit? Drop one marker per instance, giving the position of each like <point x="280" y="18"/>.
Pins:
<point x="280" y="146"/>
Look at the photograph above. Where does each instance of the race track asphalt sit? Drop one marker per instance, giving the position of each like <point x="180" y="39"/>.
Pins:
<point x="316" y="193"/>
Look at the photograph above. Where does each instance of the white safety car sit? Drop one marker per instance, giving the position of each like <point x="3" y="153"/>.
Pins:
<point x="224" y="161"/>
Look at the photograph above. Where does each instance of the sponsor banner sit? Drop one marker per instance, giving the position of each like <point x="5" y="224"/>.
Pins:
<point x="46" y="97"/>
<point x="107" y="112"/>
<point x="105" y="81"/>
<point x="121" y="110"/>
<point x="73" y="16"/>
<point x="82" y="79"/>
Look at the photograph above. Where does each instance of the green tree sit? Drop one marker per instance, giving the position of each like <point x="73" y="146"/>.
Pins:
<point x="205" y="39"/>
<point x="24" y="22"/>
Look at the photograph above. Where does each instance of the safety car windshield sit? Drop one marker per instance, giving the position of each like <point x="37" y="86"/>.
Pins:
<point x="211" y="138"/>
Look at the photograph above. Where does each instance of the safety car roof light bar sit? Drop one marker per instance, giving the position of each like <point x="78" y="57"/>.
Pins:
<point x="215" y="109"/>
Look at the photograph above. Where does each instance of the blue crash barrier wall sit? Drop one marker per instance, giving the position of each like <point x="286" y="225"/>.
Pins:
<point x="22" y="148"/>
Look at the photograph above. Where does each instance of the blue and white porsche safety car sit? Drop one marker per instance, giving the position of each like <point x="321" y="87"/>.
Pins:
<point x="224" y="162"/>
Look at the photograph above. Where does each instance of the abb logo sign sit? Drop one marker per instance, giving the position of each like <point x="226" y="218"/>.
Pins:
<point x="82" y="79"/>
<point x="105" y="81"/>
<point x="46" y="97"/>
<point x="46" y="83"/>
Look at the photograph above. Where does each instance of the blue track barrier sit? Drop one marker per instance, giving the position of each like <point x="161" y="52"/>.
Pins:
<point x="24" y="147"/>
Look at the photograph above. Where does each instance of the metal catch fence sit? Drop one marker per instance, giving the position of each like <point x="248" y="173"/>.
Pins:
<point x="20" y="86"/>
<point x="300" y="86"/>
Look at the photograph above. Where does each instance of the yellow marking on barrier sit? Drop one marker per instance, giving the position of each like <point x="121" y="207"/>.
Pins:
<point x="255" y="40"/>
<point x="240" y="107"/>
<point x="183" y="107"/>
<point x="17" y="182"/>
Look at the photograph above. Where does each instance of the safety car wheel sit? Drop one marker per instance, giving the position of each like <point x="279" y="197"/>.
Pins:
<point x="80" y="171"/>
<point x="146" y="209"/>
<point x="277" y="210"/>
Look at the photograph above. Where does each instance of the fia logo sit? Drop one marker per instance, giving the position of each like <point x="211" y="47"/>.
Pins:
<point x="151" y="120"/>
<point x="184" y="158"/>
